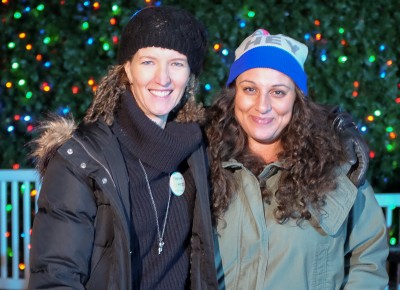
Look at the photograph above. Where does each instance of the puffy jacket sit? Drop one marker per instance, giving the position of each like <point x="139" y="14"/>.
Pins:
<point x="92" y="207"/>
<point x="344" y="247"/>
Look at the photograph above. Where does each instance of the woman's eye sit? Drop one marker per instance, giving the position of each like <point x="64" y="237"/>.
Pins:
<point x="279" y="93"/>
<point x="249" y="89"/>
<point x="179" y="64"/>
<point x="147" y="62"/>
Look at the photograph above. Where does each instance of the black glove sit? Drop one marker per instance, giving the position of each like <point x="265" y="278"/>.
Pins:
<point x="353" y="144"/>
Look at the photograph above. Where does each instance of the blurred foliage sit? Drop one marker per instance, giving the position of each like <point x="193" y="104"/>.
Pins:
<point x="369" y="28"/>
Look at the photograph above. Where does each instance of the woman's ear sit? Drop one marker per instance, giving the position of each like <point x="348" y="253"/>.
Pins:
<point x="127" y="67"/>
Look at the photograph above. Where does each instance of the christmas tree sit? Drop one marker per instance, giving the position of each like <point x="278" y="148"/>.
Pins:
<point x="54" y="53"/>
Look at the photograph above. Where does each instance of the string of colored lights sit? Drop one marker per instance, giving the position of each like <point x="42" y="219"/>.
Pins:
<point x="46" y="86"/>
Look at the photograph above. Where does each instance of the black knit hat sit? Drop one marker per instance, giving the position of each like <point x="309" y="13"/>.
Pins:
<point x="165" y="27"/>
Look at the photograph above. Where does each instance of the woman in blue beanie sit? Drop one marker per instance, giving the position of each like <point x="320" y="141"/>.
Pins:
<point x="287" y="215"/>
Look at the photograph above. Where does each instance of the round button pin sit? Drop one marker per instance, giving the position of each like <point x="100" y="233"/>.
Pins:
<point x="177" y="183"/>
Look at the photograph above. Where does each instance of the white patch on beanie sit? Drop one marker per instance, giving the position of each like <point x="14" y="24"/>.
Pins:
<point x="261" y="37"/>
<point x="279" y="52"/>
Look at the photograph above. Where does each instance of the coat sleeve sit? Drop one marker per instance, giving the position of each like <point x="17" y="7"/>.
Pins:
<point x="63" y="229"/>
<point x="367" y="245"/>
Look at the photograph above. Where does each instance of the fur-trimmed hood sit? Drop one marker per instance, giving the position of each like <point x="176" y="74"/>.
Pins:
<point x="53" y="133"/>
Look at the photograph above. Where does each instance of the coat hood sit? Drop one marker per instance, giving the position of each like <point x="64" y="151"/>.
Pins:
<point x="53" y="133"/>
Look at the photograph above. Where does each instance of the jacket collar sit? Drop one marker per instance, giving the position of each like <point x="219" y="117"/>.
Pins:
<point x="338" y="202"/>
<point x="106" y="166"/>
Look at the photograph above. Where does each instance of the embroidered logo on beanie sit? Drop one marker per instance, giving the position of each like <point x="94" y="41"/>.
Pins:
<point x="279" y="52"/>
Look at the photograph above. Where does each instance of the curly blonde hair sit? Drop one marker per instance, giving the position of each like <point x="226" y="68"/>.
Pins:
<point x="116" y="82"/>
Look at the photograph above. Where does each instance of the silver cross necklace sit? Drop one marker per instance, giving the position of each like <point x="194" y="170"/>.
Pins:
<point x="160" y="233"/>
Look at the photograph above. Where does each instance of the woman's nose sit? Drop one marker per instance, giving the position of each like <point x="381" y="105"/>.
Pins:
<point x="264" y="104"/>
<point x="163" y="76"/>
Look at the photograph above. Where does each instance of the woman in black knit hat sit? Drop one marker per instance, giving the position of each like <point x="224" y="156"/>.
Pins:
<point x="124" y="202"/>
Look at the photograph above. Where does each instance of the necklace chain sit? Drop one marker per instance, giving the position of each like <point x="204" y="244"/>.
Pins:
<point x="161" y="242"/>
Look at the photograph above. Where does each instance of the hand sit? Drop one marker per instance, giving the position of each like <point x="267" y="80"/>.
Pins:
<point x="353" y="144"/>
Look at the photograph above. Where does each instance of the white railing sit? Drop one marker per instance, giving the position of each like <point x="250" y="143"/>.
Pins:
<point x="17" y="207"/>
<point x="18" y="202"/>
<point x="388" y="201"/>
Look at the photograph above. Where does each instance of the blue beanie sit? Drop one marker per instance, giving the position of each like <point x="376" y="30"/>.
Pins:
<point x="278" y="52"/>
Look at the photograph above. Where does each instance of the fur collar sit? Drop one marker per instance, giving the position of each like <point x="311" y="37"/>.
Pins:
<point x="53" y="133"/>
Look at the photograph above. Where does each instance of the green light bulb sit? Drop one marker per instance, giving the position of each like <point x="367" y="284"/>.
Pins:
<point x="115" y="8"/>
<point x="8" y="207"/>
<point x="372" y="58"/>
<point x="17" y="15"/>
<point x="85" y="25"/>
<point x="47" y="40"/>
<point x="342" y="59"/>
<point x="40" y="7"/>
<point x="106" y="46"/>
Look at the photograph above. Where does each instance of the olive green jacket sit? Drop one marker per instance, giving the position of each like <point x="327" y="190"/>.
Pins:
<point x="344" y="248"/>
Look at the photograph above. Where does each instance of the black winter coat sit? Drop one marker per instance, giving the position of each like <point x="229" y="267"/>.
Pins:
<point x="85" y="192"/>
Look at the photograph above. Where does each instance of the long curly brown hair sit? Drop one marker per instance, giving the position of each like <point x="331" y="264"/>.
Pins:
<point x="311" y="152"/>
<point x="116" y="82"/>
